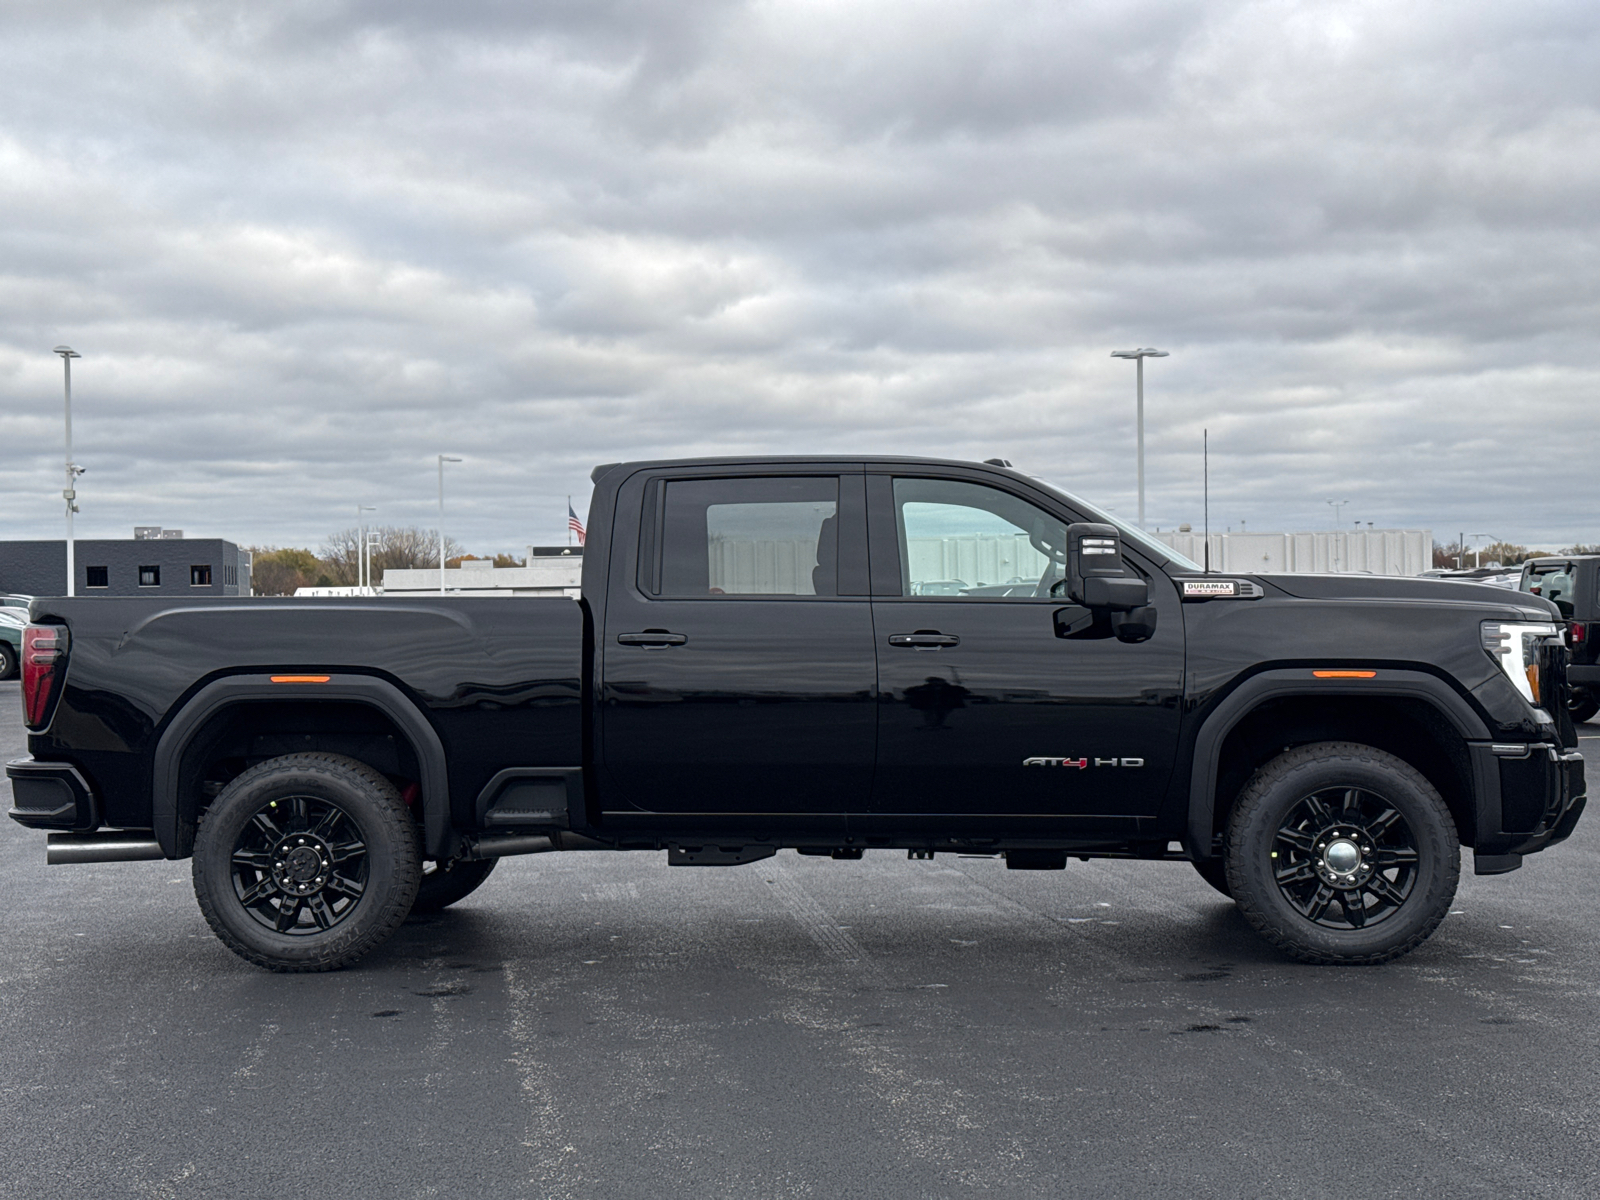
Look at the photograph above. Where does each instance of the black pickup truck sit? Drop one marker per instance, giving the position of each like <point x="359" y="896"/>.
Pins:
<point x="829" y="655"/>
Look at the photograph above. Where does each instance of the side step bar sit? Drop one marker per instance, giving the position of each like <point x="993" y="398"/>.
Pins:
<point x="111" y="845"/>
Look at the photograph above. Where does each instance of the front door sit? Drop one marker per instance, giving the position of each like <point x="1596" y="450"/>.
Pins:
<point x="737" y="657"/>
<point x="998" y="697"/>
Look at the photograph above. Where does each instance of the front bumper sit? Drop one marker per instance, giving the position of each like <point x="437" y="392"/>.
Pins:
<point x="1530" y="796"/>
<point x="51" y="795"/>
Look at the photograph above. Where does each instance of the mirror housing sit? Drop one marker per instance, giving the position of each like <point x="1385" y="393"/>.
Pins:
<point x="1096" y="577"/>
<point x="1136" y="626"/>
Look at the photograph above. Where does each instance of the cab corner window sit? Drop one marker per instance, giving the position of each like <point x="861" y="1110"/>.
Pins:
<point x="750" y="537"/>
<point x="965" y="540"/>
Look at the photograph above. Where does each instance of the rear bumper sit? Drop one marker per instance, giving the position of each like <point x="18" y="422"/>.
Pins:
<point x="51" y="795"/>
<point x="1584" y="675"/>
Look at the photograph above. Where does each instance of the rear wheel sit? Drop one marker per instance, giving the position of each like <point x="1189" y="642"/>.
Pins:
<point x="306" y="862"/>
<point x="1582" y="704"/>
<point x="1342" y="853"/>
<point x="8" y="661"/>
<point x="445" y="883"/>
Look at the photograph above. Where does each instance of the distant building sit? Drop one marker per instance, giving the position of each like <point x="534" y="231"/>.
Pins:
<point x="550" y="571"/>
<point x="1359" y="551"/>
<point x="147" y="565"/>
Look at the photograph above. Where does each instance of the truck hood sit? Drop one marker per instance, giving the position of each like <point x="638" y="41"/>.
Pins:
<point x="1400" y="587"/>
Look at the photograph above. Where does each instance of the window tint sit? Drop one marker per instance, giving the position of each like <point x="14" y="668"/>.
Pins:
<point x="967" y="540"/>
<point x="744" y="537"/>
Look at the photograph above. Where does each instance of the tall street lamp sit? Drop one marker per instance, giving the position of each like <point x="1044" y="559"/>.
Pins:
<point x="443" y="458"/>
<point x="1477" y="554"/>
<point x="361" y="544"/>
<point x="70" y="494"/>
<point x="1333" y="543"/>
<point x="1139" y="356"/>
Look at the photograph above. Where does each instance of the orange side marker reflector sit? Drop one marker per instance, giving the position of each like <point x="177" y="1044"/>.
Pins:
<point x="1344" y="674"/>
<point x="301" y="678"/>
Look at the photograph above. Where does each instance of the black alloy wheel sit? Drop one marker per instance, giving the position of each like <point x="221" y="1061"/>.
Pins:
<point x="443" y="883"/>
<point x="299" y="865"/>
<point x="1345" y="858"/>
<point x="1342" y="853"/>
<point x="306" y="862"/>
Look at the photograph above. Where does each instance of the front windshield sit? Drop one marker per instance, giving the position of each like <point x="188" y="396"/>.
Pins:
<point x="1129" y="534"/>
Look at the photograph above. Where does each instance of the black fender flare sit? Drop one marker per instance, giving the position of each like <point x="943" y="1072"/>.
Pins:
<point x="361" y="689"/>
<point x="1298" y="681"/>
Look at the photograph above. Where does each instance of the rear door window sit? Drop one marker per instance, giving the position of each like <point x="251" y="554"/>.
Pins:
<point x="769" y="536"/>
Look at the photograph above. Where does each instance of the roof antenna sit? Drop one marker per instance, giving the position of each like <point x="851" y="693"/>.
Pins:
<point x="1205" y="474"/>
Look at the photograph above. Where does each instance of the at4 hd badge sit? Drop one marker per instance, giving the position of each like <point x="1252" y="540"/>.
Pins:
<point x="1083" y="764"/>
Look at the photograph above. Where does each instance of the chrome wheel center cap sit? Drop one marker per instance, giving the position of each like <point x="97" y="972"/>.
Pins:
<point x="1342" y="856"/>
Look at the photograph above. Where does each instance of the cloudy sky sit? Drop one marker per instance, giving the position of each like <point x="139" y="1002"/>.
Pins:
<point x="303" y="248"/>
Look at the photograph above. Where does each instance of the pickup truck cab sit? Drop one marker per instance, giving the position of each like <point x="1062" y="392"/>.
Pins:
<point x="758" y="661"/>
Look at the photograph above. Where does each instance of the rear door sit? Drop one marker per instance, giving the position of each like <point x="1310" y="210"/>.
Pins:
<point x="998" y="697"/>
<point x="737" y="658"/>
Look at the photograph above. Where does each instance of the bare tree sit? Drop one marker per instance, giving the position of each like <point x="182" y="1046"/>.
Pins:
<point x="397" y="547"/>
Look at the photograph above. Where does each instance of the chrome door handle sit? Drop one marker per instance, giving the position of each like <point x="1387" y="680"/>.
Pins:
<point x="924" y="640"/>
<point x="652" y="639"/>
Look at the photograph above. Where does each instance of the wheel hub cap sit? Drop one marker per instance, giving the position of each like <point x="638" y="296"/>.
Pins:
<point x="301" y="864"/>
<point x="1344" y="857"/>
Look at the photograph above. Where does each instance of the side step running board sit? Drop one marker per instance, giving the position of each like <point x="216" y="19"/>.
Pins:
<point x="112" y="845"/>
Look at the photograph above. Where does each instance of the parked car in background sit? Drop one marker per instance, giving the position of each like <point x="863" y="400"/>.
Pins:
<point x="1572" y="584"/>
<point x="12" y="600"/>
<point x="12" y="623"/>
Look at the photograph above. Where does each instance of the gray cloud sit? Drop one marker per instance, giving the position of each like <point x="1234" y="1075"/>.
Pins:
<point x="303" y="249"/>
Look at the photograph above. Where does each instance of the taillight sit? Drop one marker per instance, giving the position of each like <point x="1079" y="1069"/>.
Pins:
<point x="1574" y="633"/>
<point x="44" y="660"/>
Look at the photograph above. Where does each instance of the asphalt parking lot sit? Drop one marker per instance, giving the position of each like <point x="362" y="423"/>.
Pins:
<point x="596" y="1025"/>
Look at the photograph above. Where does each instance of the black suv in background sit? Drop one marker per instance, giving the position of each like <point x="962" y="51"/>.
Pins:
<point x="1572" y="583"/>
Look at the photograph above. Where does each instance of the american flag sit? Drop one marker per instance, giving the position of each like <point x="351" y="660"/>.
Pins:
<point x="573" y="524"/>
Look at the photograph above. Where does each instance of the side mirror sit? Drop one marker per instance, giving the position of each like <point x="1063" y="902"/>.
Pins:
<point x="1096" y="577"/>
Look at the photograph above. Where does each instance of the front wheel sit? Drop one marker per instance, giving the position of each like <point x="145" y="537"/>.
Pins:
<point x="1342" y="853"/>
<point x="306" y="862"/>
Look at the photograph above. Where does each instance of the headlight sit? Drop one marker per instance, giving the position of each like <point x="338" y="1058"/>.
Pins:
<point x="1515" y="646"/>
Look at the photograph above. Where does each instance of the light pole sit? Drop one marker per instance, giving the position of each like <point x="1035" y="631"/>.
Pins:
<point x="1138" y="357"/>
<point x="443" y="458"/>
<point x="1333" y="545"/>
<point x="1477" y="554"/>
<point x="361" y="546"/>
<point x="373" y="540"/>
<point x="70" y="494"/>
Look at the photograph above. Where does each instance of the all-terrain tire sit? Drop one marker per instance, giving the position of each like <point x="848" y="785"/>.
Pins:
<point x="445" y="883"/>
<point x="1215" y="872"/>
<point x="306" y="862"/>
<point x="1263" y="842"/>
